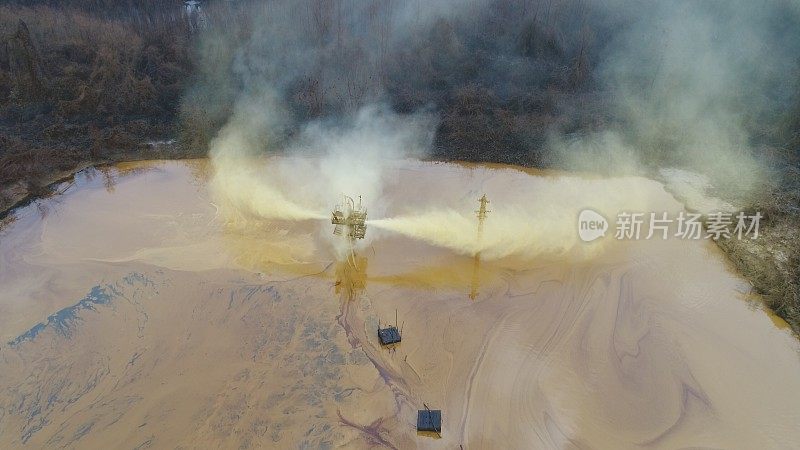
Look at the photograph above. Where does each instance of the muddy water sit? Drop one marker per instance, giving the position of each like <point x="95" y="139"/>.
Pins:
<point x="133" y="315"/>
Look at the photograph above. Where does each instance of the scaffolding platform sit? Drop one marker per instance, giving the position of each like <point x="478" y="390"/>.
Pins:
<point x="350" y="217"/>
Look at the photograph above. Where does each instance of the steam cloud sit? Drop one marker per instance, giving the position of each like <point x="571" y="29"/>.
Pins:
<point x="692" y="85"/>
<point x="342" y="88"/>
<point x="537" y="221"/>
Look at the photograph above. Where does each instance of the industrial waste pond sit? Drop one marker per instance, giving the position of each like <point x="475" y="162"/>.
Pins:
<point x="136" y="312"/>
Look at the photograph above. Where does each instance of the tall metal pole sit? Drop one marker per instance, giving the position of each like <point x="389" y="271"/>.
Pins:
<point x="482" y="212"/>
<point x="482" y="215"/>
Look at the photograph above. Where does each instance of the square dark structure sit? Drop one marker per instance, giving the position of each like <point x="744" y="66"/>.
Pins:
<point x="429" y="420"/>
<point x="388" y="335"/>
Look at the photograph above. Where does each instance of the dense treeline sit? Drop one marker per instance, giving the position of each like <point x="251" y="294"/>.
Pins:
<point x="76" y="87"/>
<point x="500" y="78"/>
<point x="101" y="75"/>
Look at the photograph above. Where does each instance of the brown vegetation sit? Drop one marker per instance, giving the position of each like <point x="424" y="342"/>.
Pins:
<point x="75" y="87"/>
<point x="772" y="261"/>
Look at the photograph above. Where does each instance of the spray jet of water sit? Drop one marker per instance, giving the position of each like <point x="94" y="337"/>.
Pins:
<point x="246" y="190"/>
<point x="538" y="220"/>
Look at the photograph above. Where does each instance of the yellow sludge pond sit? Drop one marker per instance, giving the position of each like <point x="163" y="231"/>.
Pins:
<point x="137" y="311"/>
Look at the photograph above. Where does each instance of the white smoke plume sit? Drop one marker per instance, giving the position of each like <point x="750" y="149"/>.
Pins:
<point x="333" y="88"/>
